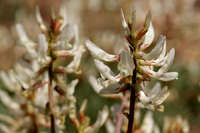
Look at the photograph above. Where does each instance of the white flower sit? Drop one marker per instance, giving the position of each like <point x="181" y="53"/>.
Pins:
<point x="172" y="124"/>
<point x="40" y="20"/>
<point x="41" y="94"/>
<point x="9" y="102"/>
<point x="157" y="49"/>
<point x="25" y="41"/>
<point x="126" y="64"/>
<point x="99" y="53"/>
<point x="155" y="96"/>
<point x="110" y="127"/>
<point x="10" y="81"/>
<point x="63" y="14"/>
<point x="149" y="37"/>
<point x="148" y="123"/>
<point x="108" y="79"/>
<point x="124" y="24"/>
<point x="162" y="73"/>
<point x="123" y="20"/>
<point x="42" y="46"/>
<point x="95" y="84"/>
<point x="71" y="88"/>
<point x="75" y="63"/>
<point x="101" y="119"/>
<point x="105" y="71"/>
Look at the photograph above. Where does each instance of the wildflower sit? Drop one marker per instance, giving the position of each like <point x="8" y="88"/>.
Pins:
<point x="175" y="124"/>
<point x="152" y="65"/>
<point x="135" y="66"/>
<point x="35" y="77"/>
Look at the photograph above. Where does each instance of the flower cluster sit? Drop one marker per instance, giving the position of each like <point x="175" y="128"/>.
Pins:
<point x="148" y="125"/>
<point x="151" y="65"/>
<point x="39" y="81"/>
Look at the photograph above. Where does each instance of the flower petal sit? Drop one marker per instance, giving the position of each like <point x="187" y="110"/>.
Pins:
<point x="161" y="97"/>
<point x="169" y="76"/>
<point x="148" y="123"/>
<point x="75" y="63"/>
<point x="126" y="64"/>
<point x="8" y="101"/>
<point x="143" y="98"/>
<point x="154" y="91"/>
<point x="112" y="88"/>
<point x="157" y="49"/>
<point x="150" y="107"/>
<point x="42" y="45"/>
<point x="110" y="127"/>
<point x="25" y="41"/>
<point x="123" y="20"/>
<point x="67" y="33"/>
<point x="101" y="119"/>
<point x="105" y="70"/>
<point x="95" y="84"/>
<point x="99" y="53"/>
<point x="71" y="87"/>
<point x="149" y="37"/>
<point x="63" y="14"/>
<point x="40" y="20"/>
<point x="168" y="61"/>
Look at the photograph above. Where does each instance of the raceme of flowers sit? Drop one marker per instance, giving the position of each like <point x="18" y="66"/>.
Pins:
<point x="149" y="65"/>
<point x="41" y="69"/>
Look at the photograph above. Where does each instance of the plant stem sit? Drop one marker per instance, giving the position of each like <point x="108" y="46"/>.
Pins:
<point x="132" y="100"/>
<point x="35" y="124"/>
<point x="51" y="100"/>
<point x="120" y="113"/>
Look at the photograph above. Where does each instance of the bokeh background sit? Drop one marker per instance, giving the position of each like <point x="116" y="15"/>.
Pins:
<point x="99" y="20"/>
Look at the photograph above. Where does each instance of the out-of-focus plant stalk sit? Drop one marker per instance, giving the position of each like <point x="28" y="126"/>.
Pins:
<point x="51" y="74"/>
<point x="120" y="114"/>
<point x="51" y="100"/>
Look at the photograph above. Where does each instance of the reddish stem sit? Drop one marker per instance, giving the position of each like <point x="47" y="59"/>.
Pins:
<point x="120" y="113"/>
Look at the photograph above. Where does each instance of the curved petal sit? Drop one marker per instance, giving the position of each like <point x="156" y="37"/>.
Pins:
<point x="168" y="61"/>
<point x="169" y="76"/>
<point x="99" y="53"/>
<point x="149" y="37"/>
<point x="105" y="70"/>
<point x="157" y="49"/>
<point x="40" y="20"/>
<point x="126" y="64"/>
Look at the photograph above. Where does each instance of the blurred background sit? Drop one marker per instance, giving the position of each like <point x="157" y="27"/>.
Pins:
<point x="99" y="20"/>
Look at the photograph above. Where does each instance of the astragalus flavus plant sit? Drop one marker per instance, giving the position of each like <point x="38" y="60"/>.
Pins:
<point x="137" y="68"/>
<point x="42" y="96"/>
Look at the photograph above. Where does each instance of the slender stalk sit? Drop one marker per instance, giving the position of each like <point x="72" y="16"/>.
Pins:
<point x="120" y="113"/>
<point x="35" y="124"/>
<point x="35" y="127"/>
<point x="51" y="100"/>
<point x="132" y="100"/>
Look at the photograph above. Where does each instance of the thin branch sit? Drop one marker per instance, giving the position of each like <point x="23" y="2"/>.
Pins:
<point x="120" y="113"/>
